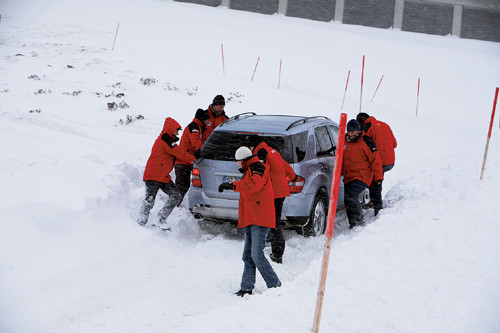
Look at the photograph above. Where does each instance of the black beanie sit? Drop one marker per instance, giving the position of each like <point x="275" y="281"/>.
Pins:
<point x="361" y="117"/>
<point x="219" y="100"/>
<point x="201" y="115"/>
<point x="353" y="125"/>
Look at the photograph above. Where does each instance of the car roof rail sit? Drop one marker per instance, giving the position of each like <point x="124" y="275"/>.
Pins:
<point x="304" y="120"/>
<point x="238" y="116"/>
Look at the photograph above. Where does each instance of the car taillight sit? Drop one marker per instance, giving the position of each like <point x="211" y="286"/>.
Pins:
<point x="195" y="178"/>
<point x="296" y="186"/>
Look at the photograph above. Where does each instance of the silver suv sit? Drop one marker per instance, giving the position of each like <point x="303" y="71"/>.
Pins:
<point x="307" y="143"/>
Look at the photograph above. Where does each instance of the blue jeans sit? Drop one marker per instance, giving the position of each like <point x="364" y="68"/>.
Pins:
<point x="253" y="257"/>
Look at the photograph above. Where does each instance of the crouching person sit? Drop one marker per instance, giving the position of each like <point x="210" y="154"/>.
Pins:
<point x="157" y="173"/>
<point x="256" y="216"/>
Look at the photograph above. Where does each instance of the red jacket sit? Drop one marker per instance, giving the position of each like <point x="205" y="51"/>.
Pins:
<point x="214" y="121"/>
<point x="164" y="153"/>
<point x="256" y="195"/>
<point x="382" y="134"/>
<point x="361" y="161"/>
<point x="279" y="169"/>
<point x="192" y="139"/>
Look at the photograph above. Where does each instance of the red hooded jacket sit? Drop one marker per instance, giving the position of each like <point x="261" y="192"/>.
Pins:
<point x="256" y="195"/>
<point x="192" y="139"/>
<point x="279" y="169"/>
<point x="382" y="134"/>
<point x="164" y="153"/>
<point x="361" y="161"/>
<point x="214" y="121"/>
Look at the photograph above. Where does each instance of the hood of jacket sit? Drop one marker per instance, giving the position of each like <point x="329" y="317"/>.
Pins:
<point x="170" y="126"/>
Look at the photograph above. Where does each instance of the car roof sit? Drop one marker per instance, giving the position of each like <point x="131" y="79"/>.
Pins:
<point x="275" y="124"/>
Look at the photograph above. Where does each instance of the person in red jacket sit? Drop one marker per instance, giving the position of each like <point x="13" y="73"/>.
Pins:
<point x="382" y="134"/>
<point x="216" y="113"/>
<point x="157" y="173"/>
<point x="191" y="141"/>
<point x="360" y="165"/>
<point x="280" y="172"/>
<point x="256" y="217"/>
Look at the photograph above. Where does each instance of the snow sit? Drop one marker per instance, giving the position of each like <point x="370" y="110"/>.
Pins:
<point x="73" y="259"/>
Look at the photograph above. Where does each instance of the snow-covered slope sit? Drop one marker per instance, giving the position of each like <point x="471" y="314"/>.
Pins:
<point x="72" y="258"/>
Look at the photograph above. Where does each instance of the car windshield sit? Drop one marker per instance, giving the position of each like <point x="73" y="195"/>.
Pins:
<point x="222" y="145"/>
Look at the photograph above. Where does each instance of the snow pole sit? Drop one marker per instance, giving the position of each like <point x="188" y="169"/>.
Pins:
<point x="489" y="134"/>
<point x="332" y="210"/>
<point x="345" y="91"/>
<point x="279" y="77"/>
<point x="223" y="68"/>
<point x="418" y="95"/>
<point x="362" y="74"/>
<point x="255" y="68"/>
<point x="116" y="34"/>
<point x="377" y="88"/>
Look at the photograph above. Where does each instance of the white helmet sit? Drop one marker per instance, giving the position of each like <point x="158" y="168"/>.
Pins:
<point x="242" y="153"/>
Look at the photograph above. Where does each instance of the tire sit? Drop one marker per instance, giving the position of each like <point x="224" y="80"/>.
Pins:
<point x="317" y="219"/>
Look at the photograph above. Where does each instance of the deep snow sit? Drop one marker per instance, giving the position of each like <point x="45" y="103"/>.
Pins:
<point x="72" y="258"/>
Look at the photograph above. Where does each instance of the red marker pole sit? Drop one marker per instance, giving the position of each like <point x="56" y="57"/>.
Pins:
<point x="489" y="133"/>
<point x="116" y="34"/>
<point x="255" y="68"/>
<point x="362" y="74"/>
<point x="279" y="78"/>
<point x="345" y="91"/>
<point x="332" y="210"/>
<point x="418" y="95"/>
<point x="377" y="88"/>
<point x="223" y="68"/>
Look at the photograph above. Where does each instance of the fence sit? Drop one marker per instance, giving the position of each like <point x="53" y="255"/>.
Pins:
<point x="473" y="19"/>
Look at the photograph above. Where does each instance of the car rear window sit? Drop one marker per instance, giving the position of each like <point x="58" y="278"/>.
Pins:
<point x="222" y="146"/>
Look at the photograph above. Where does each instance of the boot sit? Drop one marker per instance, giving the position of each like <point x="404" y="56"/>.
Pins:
<point x="242" y="292"/>
<point x="277" y="259"/>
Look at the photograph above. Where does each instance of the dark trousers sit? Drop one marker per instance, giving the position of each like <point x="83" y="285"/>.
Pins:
<point x="376" y="190"/>
<point x="275" y="235"/>
<point x="152" y="188"/>
<point x="352" y="190"/>
<point x="182" y="179"/>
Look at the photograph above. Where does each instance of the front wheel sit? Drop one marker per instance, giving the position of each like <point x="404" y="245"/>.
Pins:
<point x="317" y="220"/>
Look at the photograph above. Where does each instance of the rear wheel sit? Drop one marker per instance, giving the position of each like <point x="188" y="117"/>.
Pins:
<point x="317" y="219"/>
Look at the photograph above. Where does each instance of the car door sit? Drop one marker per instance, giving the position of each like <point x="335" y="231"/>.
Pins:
<point x="334" y="134"/>
<point x="325" y="153"/>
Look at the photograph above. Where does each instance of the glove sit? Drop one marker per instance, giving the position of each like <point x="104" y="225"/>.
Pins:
<point x="241" y="170"/>
<point x="225" y="186"/>
<point x="197" y="154"/>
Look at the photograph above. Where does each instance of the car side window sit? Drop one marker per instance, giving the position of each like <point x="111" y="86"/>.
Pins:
<point x="299" y="143"/>
<point x="324" y="144"/>
<point x="334" y="133"/>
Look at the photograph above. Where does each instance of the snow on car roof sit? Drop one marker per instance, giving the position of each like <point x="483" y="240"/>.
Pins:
<point x="278" y="124"/>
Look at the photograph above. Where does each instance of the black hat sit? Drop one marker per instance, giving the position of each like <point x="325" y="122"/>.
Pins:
<point x="353" y="125"/>
<point x="201" y="115"/>
<point x="361" y="117"/>
<point x="253" y="140"/>
<point x="219" y="100"/>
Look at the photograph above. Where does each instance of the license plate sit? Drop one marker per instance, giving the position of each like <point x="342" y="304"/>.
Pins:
<point x="231" y="179"/>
